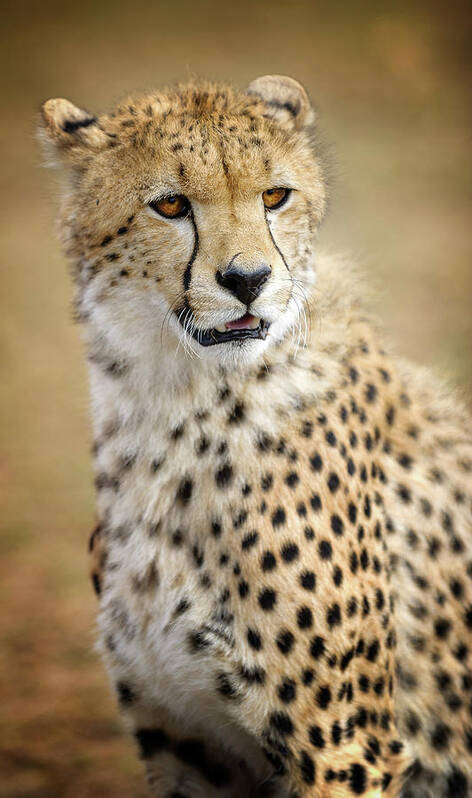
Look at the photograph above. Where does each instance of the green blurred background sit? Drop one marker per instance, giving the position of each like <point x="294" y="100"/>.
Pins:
<point x="392" y="82"/>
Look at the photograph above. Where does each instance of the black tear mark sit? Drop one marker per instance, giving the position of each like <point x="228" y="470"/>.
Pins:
<point x="274" y="242"/>
<point x="188" y="268"/>
<point x="70" y="126"/>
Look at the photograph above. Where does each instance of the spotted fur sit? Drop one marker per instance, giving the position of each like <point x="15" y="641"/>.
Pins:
<point x="283" y="555"/>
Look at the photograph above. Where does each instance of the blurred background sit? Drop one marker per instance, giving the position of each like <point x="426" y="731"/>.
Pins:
<point x="392" y="84"/>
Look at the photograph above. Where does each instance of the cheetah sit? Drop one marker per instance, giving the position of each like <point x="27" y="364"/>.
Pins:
<point x="283" y="550"/>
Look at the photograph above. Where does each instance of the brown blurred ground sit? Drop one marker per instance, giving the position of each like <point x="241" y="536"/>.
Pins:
<point x="392" y="82"/>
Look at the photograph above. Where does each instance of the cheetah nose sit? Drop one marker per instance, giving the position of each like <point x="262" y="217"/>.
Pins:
<point x="244" y="285"/>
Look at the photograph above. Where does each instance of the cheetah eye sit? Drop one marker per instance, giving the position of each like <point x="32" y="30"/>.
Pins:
<point x="174" y="206"/>
<point x="275" y="197"/>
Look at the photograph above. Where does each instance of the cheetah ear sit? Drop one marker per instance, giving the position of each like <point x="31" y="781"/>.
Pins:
<point x="286" y="99"/>
<point x="69" y="131"/>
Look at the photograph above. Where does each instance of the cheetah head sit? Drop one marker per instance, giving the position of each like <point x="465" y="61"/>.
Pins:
<point x="189" y="216"/>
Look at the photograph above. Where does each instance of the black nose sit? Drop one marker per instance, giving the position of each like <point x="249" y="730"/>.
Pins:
<point x="244" y="285"/>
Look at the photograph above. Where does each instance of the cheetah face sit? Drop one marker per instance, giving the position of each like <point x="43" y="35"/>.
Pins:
<point x="190" y="216"/>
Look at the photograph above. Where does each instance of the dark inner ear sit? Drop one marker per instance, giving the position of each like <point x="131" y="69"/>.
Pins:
<point x="286" y="97"/>
<point x="68" y="129"/>
<point x="70" y="125"/>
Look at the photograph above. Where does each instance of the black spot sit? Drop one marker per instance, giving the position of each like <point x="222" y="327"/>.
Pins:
<point x="440" y="735"/>
<point x="287" y="691"/>
<point x="404" y="493"/>
<point x="317" y="647"/>
<point x="315" y="502"/>
<point x="202" y="445"/>
<point x="307" y="429"/>
<point x="285" y="641"/>
<point x="268" y="561"/>
<point x="353" y="375"/>
<point x="198" y="556"/>
<point x="333" y="615"/>
<point x="307" y="768"/>
<point x="125" y="693"/>
<point x="301" y="509"/>
<point x="282" y="723"/>
<point x="336" y="733"/>
<point x="177" y="537"/>
<point x="337" y="524"/>
<point x="333" y="482"/>
<point x="237" y="413"/>
<point x="249" y="540"/>
<point x="252" y="675"/>
<point x="373" y="651"/>
<point x="325" y="550"/>
<point x="224" y="475"/>
<point x="243" y="588"/>
<point x="316" y="462"/>
<point x="292" y="479"/>
<point x="289" y="552"/>
<point x="267" y="480"/>
<point x="224" y="686"/>
<point x="352" y="607"/>
<point x="304" y="617"/>
<point x="323" y="697"/>
<point x="315" y="734"/>
<point x="267" y="599"/>
<point x="240" y="519"/>
<point x="346" y="659"/>
<point x="151" y="741"/>
<point x="254" y="639"/>
<point x="307" y="676"/>
<point x="353" y="562"/>
<point x="184" y="491"/>
<point x="442" y="627"/>
<point x="412" y="723"/>
<point x="357" y="778"/>
<point x="468" y="617"/>
<point x="278" y="517"/>
<point x="308" y="580"/>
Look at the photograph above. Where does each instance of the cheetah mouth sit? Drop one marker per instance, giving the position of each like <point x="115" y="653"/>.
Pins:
<point x="247" y="326"/>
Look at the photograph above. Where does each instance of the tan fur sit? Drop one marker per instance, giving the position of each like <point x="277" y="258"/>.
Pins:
<point x="284" y="553"/>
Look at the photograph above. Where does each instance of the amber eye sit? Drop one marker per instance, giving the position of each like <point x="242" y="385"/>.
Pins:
<point x="275" y="197"/>
<point x="172" y="207"/>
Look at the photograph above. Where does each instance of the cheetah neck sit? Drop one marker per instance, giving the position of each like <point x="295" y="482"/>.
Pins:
<point x="145" y="406"/>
